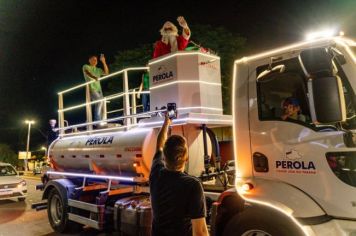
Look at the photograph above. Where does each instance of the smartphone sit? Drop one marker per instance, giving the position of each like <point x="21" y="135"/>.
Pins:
<point x="172" y="110"/>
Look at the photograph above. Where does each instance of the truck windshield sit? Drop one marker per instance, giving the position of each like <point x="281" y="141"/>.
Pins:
<point x="7" y="171"/>
<point x="349" y="94"/>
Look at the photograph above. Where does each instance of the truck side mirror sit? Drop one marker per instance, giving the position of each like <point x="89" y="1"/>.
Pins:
<point x="326" y="100"/>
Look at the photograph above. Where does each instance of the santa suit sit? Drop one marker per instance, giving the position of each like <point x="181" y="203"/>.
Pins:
<point x="161" y="48"/>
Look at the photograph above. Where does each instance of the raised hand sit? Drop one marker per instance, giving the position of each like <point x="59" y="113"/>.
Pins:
<point x="182" y="22"/>
<point x="102" y="58"/>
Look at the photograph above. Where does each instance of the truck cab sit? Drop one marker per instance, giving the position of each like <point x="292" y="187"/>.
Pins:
<point x="294" y="174"/>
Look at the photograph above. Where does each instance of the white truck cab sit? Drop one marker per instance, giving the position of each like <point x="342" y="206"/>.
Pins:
<point x="292" y="169"/>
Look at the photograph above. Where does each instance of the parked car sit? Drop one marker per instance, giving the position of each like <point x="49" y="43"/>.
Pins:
<point x="12" y="186"/>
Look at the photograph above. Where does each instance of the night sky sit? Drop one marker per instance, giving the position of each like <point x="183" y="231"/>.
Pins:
<point x="43" y="44"/>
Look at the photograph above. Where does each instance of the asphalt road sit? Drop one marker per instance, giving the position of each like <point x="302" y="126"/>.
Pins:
<point x="18" y="219"/>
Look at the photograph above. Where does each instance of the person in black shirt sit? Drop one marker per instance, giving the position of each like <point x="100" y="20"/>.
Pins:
<point x="177" y="199"/>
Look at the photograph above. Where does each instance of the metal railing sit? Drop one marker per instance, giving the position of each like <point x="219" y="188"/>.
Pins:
<point x="129" y="110"/>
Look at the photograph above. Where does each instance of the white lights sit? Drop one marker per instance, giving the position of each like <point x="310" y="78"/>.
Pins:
<point x="185" y="82"/>
<point x="29" y="122"/>
<point x="203" y="108"/>
<point x="296" y="46"/>
<point x="327" y="33"/>
<point x="104" y="77"/>
<point x="69" y="174"/>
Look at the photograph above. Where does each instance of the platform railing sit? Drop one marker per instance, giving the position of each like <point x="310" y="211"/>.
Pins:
<point x="127" y="109"/>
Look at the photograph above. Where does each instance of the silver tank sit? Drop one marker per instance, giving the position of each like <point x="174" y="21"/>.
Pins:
<point x="122" y="153"/>
<point x="127" y="153"/>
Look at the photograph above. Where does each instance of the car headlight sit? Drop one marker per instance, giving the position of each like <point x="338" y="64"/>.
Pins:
<point x="22" y="184"/>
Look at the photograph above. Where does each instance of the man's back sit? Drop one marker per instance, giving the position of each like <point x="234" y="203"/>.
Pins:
<point x="176" y="199"/>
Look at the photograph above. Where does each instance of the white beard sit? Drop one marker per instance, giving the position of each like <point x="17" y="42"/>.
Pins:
<point x="171" y="39"/>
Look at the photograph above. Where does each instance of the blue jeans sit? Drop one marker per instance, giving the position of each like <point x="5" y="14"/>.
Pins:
<point x="98" y="107"/>
<point x="146" y="102"/>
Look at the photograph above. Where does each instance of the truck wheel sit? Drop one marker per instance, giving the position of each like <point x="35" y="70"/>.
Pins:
<point x="261" y="222"/>
<point x="57" y="210"/>
<point x="21" y="199"/>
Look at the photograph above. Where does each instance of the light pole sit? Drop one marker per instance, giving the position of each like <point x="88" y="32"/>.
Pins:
<point x="29" y="122"/>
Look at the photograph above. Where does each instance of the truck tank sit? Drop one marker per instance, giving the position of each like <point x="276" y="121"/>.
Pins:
<point x="122" y="153"/>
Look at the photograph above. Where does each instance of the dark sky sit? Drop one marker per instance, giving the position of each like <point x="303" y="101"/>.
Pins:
<point x="43" y="44"/>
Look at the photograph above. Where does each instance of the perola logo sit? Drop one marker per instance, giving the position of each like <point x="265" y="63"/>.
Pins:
<point x="293" y="164"/>
<point x="99" y="140"/>
<point x="163" y="74"/>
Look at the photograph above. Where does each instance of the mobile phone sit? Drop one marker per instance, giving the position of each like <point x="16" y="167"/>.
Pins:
<point x="172" y="110"/>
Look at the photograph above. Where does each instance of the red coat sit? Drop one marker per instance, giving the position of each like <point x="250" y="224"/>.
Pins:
<point x="161" y="48"/>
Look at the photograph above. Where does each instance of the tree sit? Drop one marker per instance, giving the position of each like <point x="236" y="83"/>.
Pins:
<point x="226" y="44"/>
<point x="7" y="155"/>
<point x="229" y="46"/>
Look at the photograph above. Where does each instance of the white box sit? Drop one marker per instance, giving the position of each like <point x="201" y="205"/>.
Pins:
<point x="192" y="80"/>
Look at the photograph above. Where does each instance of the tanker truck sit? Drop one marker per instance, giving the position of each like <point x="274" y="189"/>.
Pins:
<point x="293" y="175"/>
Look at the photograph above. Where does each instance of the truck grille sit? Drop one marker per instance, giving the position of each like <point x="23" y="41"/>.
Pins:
<point x="5" y="186"/>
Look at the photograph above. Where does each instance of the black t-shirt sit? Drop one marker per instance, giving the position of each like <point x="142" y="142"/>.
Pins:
<point x="176" y="199"/>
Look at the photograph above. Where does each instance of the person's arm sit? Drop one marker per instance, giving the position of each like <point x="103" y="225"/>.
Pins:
<point x="199" y="227"/>
<point x="103" y="61"/>
<point x="183" y="23"/>
<point x="162" y="136"/>
<point x="90" y="75"/>
<point x="157" y="162"/>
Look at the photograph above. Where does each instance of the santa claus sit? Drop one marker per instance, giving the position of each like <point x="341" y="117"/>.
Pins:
<point x="171" y="41"/>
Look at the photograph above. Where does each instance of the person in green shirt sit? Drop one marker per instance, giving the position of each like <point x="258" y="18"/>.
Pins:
<point x="93" y="73"/>
<point x="145" y="86"/>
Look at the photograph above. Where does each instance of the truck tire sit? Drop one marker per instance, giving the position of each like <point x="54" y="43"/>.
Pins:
<point x="21" y="199"/>
<point x="57" y="210"/>
<point x="261" y="222"/>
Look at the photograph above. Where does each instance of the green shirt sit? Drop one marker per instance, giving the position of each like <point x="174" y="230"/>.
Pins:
<point x="146" y="81"/>
<point x="97" y="72"/>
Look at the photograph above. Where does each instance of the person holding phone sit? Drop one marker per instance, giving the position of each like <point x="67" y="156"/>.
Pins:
<point x="93" y="73"/>
<point x="178" y="201"/>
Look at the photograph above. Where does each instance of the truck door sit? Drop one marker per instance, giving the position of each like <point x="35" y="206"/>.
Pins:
<point x="280" y="123"/>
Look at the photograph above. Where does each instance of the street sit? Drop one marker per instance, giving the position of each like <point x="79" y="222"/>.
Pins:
<point x="17" y="218"/>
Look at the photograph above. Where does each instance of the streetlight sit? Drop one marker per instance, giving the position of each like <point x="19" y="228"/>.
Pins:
<point x="29" y="122"/>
